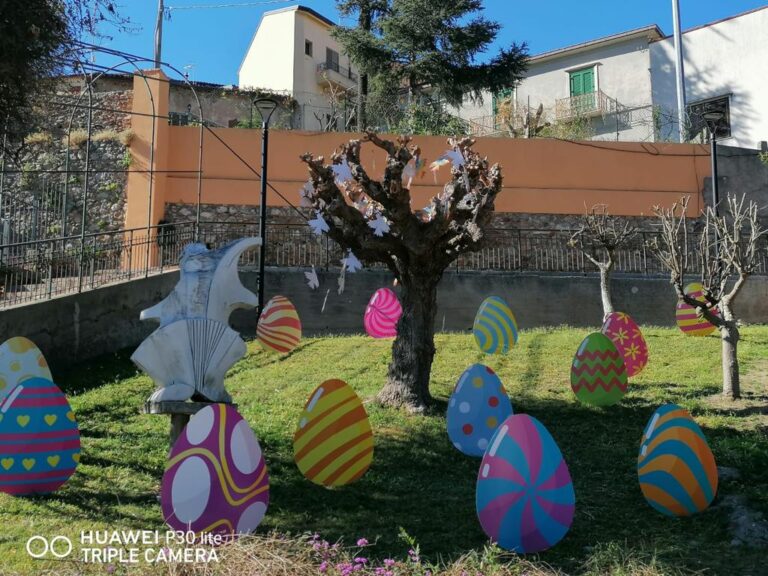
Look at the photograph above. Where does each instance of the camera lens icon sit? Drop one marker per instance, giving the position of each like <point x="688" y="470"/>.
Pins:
<point x="40" y="547"/>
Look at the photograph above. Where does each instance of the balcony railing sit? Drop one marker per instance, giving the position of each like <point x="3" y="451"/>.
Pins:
<point x="331" y="71"/>
<point x="593" y="104"/>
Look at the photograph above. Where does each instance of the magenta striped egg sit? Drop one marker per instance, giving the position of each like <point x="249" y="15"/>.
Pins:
<point x="382" y="314"/>
<point x="216" y="479"/>
<point x="525" y="499"/>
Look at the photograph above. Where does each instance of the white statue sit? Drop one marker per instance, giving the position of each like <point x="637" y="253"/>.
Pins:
<point x="192" y="349"/>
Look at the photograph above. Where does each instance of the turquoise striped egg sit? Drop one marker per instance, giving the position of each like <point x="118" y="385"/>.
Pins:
<point x="495" y="327"/>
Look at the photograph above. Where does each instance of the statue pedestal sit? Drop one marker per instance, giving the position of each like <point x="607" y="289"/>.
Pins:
<point x="180" y="412"/>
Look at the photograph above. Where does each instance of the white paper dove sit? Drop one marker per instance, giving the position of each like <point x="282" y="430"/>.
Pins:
<point x="305" y="195"/>
<point x="312" y="280"/>
<point x="351" y="263"/>
<point x="342" y="172"/>
<point x="379" y="225"/>
<point x="318" y="224"/>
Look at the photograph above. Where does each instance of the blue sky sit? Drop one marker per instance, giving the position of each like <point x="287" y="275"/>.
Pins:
<point x="213" y="41"/>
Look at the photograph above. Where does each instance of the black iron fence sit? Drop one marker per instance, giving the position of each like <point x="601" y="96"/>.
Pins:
<point x="43" y="269"/>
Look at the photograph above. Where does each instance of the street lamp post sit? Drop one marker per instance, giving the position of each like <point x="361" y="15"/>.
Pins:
<point x="266" y="107"/>
<point x="712" y="117"/>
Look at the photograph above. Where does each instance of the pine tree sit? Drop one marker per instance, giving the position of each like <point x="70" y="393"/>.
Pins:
<point x="432" y="45"/>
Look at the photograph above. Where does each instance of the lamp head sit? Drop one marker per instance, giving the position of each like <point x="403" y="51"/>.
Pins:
<point x="266" y="107"/>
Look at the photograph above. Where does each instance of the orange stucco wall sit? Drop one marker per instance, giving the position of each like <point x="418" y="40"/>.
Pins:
<point x="540" y="175"/>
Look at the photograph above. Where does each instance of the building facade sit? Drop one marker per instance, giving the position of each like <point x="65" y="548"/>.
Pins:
<point x="293" y="52"/>
<point x="726" y="68"/>
<point x="622" y="87"/>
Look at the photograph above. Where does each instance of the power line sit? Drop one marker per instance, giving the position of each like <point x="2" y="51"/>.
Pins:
<point x="168" y="9"/>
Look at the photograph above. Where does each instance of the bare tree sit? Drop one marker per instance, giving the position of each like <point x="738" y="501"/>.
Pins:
<point x="520" y="120"/>
<point x="598" y="238"/>
<point x="728" y="253"/>
<point x="418" y="246"/>
<point x="338" y="102"/>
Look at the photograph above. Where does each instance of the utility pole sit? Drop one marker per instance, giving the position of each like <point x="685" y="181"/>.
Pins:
<point x="679" y="71"/>
<point x="159" y="33"/>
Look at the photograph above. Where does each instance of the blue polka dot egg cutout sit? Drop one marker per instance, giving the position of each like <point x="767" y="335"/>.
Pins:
<point x="477" y="406"/>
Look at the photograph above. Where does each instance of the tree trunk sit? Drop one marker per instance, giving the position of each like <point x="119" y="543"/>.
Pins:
<point x="605" y="290"/>
<point x="414" y="347"/>
<point x="364" y="21"/>
<point x="729" y="337"/>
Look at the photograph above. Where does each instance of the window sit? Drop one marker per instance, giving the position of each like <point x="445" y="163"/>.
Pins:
<point x="698" y="122"/>
<point x="332" y="59"/>
<point x="582" y="81"/>
<point x="308" y="47"/>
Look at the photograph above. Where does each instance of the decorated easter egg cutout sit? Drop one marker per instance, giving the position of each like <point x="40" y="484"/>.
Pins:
<point x="279" y="327"/>
<point x="476" y="407"/>
<point x="382" y="314"/>
<point x="598" y="373"/>
<point x="216" y="480"/>
<point x="20" y="360"/>
<point x="495" y="327"/>
<point x="524" y="497"/>
<point x="675" y="467"/>
<point x="39" y="439"/>
<point x="333" y="443"/>
<point x="686" y="317"/>
<point x="628" y="339"/>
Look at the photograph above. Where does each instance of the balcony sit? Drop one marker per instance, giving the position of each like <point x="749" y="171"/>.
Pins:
<point x="585" y="105"/>
<point x="338" y="75"/>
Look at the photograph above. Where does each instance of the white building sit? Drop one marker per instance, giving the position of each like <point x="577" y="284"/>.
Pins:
<point x="726" y="67"/>
<point x="623" y="86"/>
<point x="293" y="52"/>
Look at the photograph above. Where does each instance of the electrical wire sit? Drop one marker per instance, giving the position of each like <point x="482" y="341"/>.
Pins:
<point x="168" y="9"/>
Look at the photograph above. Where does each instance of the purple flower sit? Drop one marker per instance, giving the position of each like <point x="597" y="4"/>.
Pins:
<point x="389" y="562"/>
<point x="362" y="542"/>
<point x="323" y="567"/>
<point x="359" y="560"/>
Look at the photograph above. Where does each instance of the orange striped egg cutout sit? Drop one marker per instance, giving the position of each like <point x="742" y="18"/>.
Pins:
<point x="333" y="443"/>
<point x="279" y="327"/>
<point x="686" y="317"/>
<point x="676" y="468"/>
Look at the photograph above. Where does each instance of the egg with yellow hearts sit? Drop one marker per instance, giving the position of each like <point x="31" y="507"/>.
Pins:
<point x="39" y="439"/>
<point x="20" y="360"/>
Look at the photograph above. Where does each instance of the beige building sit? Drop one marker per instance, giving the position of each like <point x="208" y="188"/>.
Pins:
<point x="293" y="52"/>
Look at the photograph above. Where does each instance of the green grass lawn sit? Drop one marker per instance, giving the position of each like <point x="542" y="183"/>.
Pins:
<point x="418" y="481"/>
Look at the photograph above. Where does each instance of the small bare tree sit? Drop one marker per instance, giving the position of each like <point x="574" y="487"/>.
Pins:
<point x="338" y="101"/>
<point x="728" y="253"/>
<point x="598" y="238"/>
<point x="375" y="220"/>
<point x="520" y="120"/>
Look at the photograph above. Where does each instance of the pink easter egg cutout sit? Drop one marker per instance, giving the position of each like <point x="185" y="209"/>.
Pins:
<point x="382" y="314"/>
<point x="628" y="339"/>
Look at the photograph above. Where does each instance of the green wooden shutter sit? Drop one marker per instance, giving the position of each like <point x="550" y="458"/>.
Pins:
<point x="582" y="81"/>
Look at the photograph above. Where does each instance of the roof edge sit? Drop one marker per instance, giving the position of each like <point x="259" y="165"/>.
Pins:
<point x="652" y="30"/>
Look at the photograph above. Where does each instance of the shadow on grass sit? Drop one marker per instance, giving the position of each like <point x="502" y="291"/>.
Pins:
<point x="97" y="372"/>
<point x="419" y="482"/>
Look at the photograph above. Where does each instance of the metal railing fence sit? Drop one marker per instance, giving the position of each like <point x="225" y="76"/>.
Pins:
<point x="42" y="269"/>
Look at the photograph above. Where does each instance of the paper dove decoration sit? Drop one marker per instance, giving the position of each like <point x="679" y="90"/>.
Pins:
<point x="351" y="263"/>
<point x="194" y="346"/>
<point x="452" y="156"/>
<point x="305" y="195"/>
<point x="318" y="224"/>
<point x="379" y="225"/>
<point x="312" y="280"/>
<point x="342" y="172"/>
